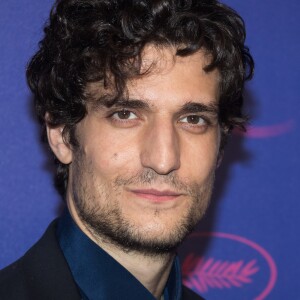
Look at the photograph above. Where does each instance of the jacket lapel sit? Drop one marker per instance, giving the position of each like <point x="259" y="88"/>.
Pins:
<point x="46" y="272"/>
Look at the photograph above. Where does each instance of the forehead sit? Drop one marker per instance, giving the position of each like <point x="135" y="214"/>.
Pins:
<point x="167" y="77"/>
<point x="161" y="59"/>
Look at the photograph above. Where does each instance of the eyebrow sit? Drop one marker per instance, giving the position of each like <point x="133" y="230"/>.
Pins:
<point x="189" y="107"/>
<point x="126" y="103"/>
<point x="196" y="107"/>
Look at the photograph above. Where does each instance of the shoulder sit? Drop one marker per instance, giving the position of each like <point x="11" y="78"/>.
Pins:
<point x="12" y="282"/>
<point x="188" y="294"/>
<point x="42" y="273"/>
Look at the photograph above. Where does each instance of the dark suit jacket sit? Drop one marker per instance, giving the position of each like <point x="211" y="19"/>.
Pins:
<point x="43" y="274"/>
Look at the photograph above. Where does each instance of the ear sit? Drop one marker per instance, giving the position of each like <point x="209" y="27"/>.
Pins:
<point x="60" y="148"/>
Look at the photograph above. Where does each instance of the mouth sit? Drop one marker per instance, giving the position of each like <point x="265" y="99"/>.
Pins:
<point x="156" y="195"/>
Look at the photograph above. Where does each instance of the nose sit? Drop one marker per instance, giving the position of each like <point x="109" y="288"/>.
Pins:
<point x="160" y="149"/>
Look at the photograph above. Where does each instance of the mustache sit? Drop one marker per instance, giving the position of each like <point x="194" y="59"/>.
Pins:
<point x="148" y="177"/>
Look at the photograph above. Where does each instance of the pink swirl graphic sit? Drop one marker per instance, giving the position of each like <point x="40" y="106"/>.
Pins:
<point x="260" y="132"/>
<point x="223" y="274"/>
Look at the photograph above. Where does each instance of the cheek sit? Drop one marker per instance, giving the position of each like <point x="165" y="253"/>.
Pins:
<point x="199" y="157"/>
<point x="112" y="155"/>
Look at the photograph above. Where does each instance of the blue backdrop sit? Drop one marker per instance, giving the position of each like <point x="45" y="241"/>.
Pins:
<point x="247" y="246"/>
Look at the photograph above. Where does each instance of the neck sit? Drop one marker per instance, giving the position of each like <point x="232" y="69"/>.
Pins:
<point x="152" y="271"/>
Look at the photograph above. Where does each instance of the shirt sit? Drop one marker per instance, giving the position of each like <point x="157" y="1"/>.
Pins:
<point x="98" y="275"/>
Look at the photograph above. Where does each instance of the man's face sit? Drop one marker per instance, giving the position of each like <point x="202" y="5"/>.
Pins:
<point x="143" y="174"/>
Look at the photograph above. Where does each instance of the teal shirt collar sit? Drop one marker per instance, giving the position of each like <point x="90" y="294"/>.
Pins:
<point x="98" y="275"/>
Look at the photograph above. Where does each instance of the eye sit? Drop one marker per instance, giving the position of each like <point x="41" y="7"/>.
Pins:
<point x="123" y="118"/>
<point x="193" y="120"/>
<point x="124" y="115"/>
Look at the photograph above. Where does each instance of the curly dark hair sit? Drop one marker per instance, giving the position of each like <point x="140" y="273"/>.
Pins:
<point x="90" y="41"/>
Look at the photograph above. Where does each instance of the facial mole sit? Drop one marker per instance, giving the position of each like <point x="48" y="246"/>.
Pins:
<point x="115" y="155"/>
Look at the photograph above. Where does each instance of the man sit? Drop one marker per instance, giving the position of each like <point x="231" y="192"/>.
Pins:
<point x="137" y="99"/>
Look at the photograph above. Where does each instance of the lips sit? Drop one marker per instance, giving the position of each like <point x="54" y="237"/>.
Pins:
<point x="156" y="195"/>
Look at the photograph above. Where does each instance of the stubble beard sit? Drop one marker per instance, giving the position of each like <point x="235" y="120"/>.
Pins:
<point x="103" y="218"/>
